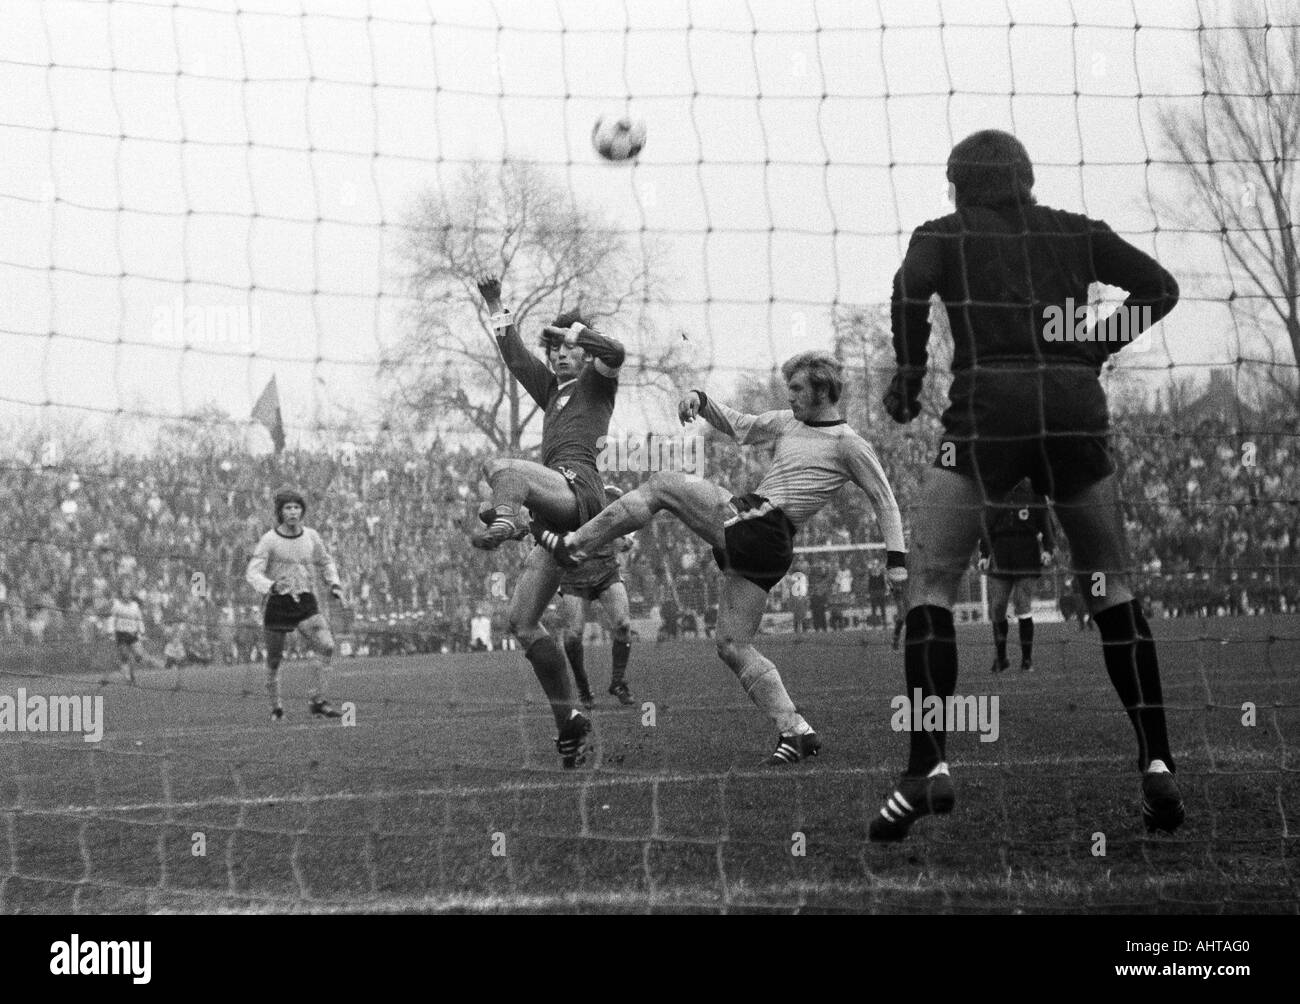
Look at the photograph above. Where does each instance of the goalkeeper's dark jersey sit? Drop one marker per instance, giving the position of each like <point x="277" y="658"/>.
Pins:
<point x="1003" y="272"/>
<point x="1011" y="532"/>
<point x="577" y="413"/>
<point x="1025" y="399"/>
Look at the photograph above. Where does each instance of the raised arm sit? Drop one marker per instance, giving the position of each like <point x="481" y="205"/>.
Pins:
<point x="607" y="353"/>
<point x="744" y="429"/>
<point x="533" y="374"/>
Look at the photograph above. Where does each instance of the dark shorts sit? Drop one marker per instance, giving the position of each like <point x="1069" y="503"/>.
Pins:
<point x="126" y="637"/>
<point x="1016" y="557"/>
<point x="1012" y="577"/>
<point x="283" y="614"/>
<point x="591" y="585"/>
<point x="760" y="542"/>
<point x="588" y="491"/>
<point x="1008" y="422"/>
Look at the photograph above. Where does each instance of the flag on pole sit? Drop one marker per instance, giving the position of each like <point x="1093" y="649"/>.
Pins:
<point x="267" y="411"/>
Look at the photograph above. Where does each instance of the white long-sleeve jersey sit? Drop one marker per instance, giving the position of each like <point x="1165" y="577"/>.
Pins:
<point x="127" y="617"/>
<point x="811" y="464"/>
<point x="302" y="560"/>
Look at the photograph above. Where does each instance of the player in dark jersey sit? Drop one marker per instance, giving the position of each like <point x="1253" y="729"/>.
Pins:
<point x="565" y="490"/>
<point x="1015" y="546"/>
<point x="599" y="580"/>
<point x="1025" y="401"/>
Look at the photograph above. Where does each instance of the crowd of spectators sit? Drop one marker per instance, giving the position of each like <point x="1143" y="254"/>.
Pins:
<point x="1213" y="519"/>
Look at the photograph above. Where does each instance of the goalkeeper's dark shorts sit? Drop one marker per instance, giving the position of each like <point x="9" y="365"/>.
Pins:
<point x="760" y="542"/>
<point x="284" y="613"/>
<point x="1010" y="421"/>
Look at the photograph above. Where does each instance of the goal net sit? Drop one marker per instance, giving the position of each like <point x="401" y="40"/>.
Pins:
<point x="240" y="248"/>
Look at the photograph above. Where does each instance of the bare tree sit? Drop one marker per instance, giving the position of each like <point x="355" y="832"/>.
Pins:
<point x="864" y="345"/>
<point x="514" y="221"/>
<point x="1238" y="152"/>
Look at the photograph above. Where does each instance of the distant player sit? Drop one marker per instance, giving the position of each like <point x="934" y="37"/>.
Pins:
<point x="1015" y="546"/>
<point x="576" y="392"/>
<point x="753" y="534"/>
<point x="797" y="585"/>
<point x="287" y="568"/>
<point x="598" y="580"/>
<point x="1026" y="401"/>
<point x="128" y="632"/>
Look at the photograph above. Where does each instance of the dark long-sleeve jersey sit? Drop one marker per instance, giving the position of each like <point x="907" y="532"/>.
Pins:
<point x="1004" y="272"/>
<point x="577" y="412"/>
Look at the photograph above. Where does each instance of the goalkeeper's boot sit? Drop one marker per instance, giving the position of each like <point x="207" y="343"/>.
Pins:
<point x="792" y="749"/>
<point x="1026" y="665"/>
<point x="1162" y="803"/>
<point x="555" y="544"/>
<point x="277" y="713"/>
<point x="571" y="743"/>
<point x="322" y="708"/>
<point x="913" y="798"/>
<point x="619" y="689"/>
<point x="1000" y="664"/>
<point x="496" y="529"/>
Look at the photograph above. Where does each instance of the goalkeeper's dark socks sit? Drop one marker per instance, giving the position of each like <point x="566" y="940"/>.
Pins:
<point x="1000" y="630"/>
<point x="552" y="674"/>
<point x="1027" y="638"/>
<point x="622" y="652"/>
<point x="1135" y="674"/>
<point x="573" y="651"/>
<point x="930" y="666"/>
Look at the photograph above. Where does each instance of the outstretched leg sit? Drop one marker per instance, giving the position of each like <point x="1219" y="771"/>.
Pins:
<point x="700" y="504"/>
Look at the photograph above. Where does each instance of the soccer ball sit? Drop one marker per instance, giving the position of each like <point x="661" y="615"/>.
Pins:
<point x="618" y="138"/>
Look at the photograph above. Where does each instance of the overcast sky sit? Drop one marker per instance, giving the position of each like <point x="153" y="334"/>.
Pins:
<point x="261" y="161"/>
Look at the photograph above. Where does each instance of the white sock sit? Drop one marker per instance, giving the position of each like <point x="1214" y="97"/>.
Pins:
<point x="1157" y="767"/>
<point x="940" y="768"/>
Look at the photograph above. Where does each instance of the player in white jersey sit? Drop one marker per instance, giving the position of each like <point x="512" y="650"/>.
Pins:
<point x="753" y="534"/>
<point x="287" y="565"/>
<point x="128" y="631"/>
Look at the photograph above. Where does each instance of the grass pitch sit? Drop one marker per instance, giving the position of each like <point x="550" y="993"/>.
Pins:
<point x="447" y="794"/>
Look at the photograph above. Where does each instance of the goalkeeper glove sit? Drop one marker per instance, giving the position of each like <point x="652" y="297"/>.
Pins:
<point x="902" y="400"/>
